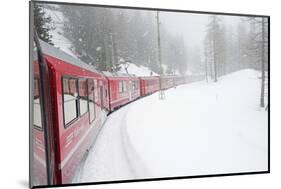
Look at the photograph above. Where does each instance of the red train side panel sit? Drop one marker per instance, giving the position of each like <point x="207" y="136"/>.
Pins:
<point x="149" y="85"/>
<point x="119" y="89"/>
<point x="134" y="88"/>
<point x="74" y="128"/>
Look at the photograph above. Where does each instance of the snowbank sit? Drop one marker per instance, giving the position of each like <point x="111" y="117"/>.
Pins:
<point x="202" y="128"/>
<point x="112" y="157"/>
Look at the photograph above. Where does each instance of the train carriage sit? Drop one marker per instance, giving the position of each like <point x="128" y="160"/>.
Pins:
<point x="119" y="86"/>
<point x="149" y="85"/>
<point x="73" y="111"/>
<point x="167" y="82"/>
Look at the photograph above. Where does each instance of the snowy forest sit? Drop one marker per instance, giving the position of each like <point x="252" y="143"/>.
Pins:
<point x="106" y="38"/>
<point x="109" y="38"/>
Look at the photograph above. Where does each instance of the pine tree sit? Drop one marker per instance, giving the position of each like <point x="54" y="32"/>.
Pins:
<point x="42" y="23"/>
<point x="259" y="50"/>
<point x="215" y="47"/>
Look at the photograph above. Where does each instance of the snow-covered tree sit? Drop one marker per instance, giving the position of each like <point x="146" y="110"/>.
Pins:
<point x="42" y="23"/>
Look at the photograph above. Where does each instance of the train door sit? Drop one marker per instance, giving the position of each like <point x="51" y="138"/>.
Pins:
<point x="101" y="96"/>
<point x="106" y="95"/>
<point x="130" y="90"/>
<point x="91" y="98"/>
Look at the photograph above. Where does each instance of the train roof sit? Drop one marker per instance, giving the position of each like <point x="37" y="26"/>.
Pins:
<point x="57" y="53"/>
<point x="149" y="77"/>
<point x="117" y="74"/>
<point x="169" y="76"/>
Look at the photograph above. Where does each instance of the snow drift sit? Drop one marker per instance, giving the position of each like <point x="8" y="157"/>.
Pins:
<point x="202" y="128"/>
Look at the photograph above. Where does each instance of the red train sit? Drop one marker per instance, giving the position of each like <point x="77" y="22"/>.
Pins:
<point x="70" y="103"/>
<point x="123" y="88"/>
<point x="149" y="85"/>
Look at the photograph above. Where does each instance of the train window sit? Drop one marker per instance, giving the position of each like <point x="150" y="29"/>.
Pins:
<point x="70" y="100"/>
<point x="91" y="98"/>
<point x="101" y="89"/>
<point x="120" y="86"/>
<point x="101" y="95"/>
<point x="37" y="116"/>
<point x="132" y="84"/>
<point x="96" y="91"/>
<point x="106" y="91"/>
<point x="83" y="96"/>
<point x="135" y="85"/>
<point x="124" y="86"/>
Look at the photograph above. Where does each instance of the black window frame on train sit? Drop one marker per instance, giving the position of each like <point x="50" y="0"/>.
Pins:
<point x="79" y="97"/>
<point x="106" y="90"/>
<point x="101" y="92"/>
<point x="124" y="86"/>
<point x="40" y="128"/>
<point x="132" y="85"/>
<point x="135" y="85"/>
<point x="120" y="82"/>
<point x="94" y="99"/>
<point x="66" y="125"/>
<point x="78" y="108"/>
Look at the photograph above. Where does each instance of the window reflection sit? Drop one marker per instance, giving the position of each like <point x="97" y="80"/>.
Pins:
<point x="91" y="98"/>
<point x="70" y="99"/>
<point x="37" y="118"/>
<point x="83" y="96"/>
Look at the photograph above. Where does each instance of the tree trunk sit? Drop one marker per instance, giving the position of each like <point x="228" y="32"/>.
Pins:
<point x="215" y="60"/>
<point x="206" y="67"/>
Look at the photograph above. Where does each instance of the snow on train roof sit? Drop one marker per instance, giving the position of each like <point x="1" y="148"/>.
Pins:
<point x="57" y="53"/>
<point x="117" y="74"/>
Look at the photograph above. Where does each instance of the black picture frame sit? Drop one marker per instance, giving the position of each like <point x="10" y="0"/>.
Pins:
<point x="151" y="9"/>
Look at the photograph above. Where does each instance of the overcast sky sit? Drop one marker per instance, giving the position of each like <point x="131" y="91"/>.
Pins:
<point x="193" y="26"/>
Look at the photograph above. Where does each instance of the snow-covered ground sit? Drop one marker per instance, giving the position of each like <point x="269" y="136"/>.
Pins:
<point x="112" y="156"/>
<point x="198" y="129"/>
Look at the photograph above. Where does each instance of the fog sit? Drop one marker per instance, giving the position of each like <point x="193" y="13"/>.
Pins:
<point x="192" y="26"/>
<point x="106" y="38"/>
